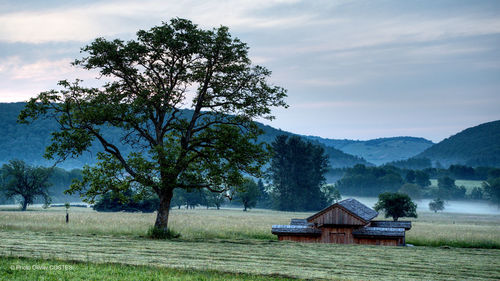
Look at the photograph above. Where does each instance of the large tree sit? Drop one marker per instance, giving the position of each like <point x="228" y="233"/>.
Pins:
<point x="297" y="173"/>
<point x="151" y="79"/>
<point x="27" y="182"/>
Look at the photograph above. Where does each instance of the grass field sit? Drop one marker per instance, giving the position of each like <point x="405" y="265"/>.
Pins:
<point x="12" y="269"/>
<point x="459" y="230"/>
<point x="235" y="242"/>
<point x="259" y="257"/>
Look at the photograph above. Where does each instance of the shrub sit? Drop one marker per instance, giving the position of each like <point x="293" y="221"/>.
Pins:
<point x="159" y="233"/>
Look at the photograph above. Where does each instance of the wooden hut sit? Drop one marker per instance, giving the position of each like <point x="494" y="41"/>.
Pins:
<point x="346" y="222"/>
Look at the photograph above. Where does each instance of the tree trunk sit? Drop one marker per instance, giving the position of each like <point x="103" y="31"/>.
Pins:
<point x="163" y="211"/>
<point x="24" y="205"/>
<point x="244" y="210"/>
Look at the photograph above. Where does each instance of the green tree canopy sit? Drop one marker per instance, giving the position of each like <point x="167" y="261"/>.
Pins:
<point x="396" y="205"/>
<point x="20" y="179"/>
<point x="169" y="67"/>
<point x="297" y="172"/>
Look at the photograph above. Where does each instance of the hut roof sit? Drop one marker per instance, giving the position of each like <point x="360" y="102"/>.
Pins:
<point x="300" y="222"/>
<point x="379" y="232"/>
<point x="295" y="230"/>
<point x="392" y="224"/>
<point x="353" y="206"/>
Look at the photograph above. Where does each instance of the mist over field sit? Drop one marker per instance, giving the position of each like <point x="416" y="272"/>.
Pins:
<point x="451" y="206"/>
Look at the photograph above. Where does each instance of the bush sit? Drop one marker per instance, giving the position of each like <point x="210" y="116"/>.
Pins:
<point x="127" y="202"/>
<point x="159" y="233"/>
<point x="436" y="205"/>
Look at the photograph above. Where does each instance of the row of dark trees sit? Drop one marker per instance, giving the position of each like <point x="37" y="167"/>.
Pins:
<point x="371" y="181"/>
<point x="297" y="182"/>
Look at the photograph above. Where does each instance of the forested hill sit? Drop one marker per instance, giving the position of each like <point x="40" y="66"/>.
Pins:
<point x="476" y="146"/>
<point x="28" y="142"/>
<point x="382" y="150"/>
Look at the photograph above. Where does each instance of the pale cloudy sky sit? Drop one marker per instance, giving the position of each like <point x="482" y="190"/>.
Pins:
<point x="353" y="69"/>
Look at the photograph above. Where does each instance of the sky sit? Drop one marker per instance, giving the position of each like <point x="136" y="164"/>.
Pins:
<point x="353" y="69"/>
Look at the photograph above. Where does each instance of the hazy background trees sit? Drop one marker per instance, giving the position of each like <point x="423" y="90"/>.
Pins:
<point x="18" y="179"/>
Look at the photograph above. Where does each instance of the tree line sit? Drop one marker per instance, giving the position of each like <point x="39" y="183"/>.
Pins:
<point x="295" y="182"/>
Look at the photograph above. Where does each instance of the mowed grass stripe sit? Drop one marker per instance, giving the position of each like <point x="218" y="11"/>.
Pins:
<point x="263" y="257"/>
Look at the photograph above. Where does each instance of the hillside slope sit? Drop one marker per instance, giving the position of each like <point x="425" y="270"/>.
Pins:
<point x="28" y="142"/>
<point x="382" y="150"/>
<point x="475" y="146"/>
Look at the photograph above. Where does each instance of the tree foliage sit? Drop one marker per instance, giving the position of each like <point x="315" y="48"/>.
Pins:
<point x="492" y="190"/>
<point x="422" y="178"/>
<point x="297" y="173"/>
<point x="21" y="180"/>
<point x="396" y="205"/>
<point x="412" y="190"/>
<point x="448" y="190"/>
<point x="369" y="181"/>
<point x="150" y="79"/>
<point x="436" y="205"/>
<point x="248" y="194"/>
<point x="332" y="194"/>
<point x="127" y="201"/>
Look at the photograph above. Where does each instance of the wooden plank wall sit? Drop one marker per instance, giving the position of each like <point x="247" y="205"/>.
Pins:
<point x="337" y="216"/>
<point x="341" y="238"/>
<point x="338" y="235"/>
<point x="304" y="239"/>
<point x="371" y="241"/>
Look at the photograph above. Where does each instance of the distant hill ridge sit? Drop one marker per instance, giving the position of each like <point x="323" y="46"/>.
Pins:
<point x="28" y="142"/>
<point x="382" y="150"/>
<point x="475" y="146"/>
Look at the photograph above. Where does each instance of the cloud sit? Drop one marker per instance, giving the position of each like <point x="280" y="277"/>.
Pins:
<point x="15" y="68"/>
<point x="85" y="22"/>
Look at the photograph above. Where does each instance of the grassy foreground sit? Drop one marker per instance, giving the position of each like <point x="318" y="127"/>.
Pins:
<point x="457" y="230"/>
<point x="233" y="245"/>
<point x="36" y="269"/>
<point x="258" y="257"/>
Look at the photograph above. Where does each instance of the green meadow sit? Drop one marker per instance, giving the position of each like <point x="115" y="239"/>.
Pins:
<point x="229" y="244"/>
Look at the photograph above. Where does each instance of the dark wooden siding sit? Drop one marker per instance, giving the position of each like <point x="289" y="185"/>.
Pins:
<point x="377" y="241"/>
<point x="337" y="216"/>
<point x="295" y="238"/>
<point x="338" y="235"/>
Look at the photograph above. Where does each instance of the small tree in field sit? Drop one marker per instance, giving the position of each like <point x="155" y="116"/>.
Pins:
<point x="29" y="183"/>
<point x="153" y="78"/>
<point x="436" y="205"/>
<point x="215" y="199"/>
<point x="248" y="194"/>
<point x="396" y="205"/>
